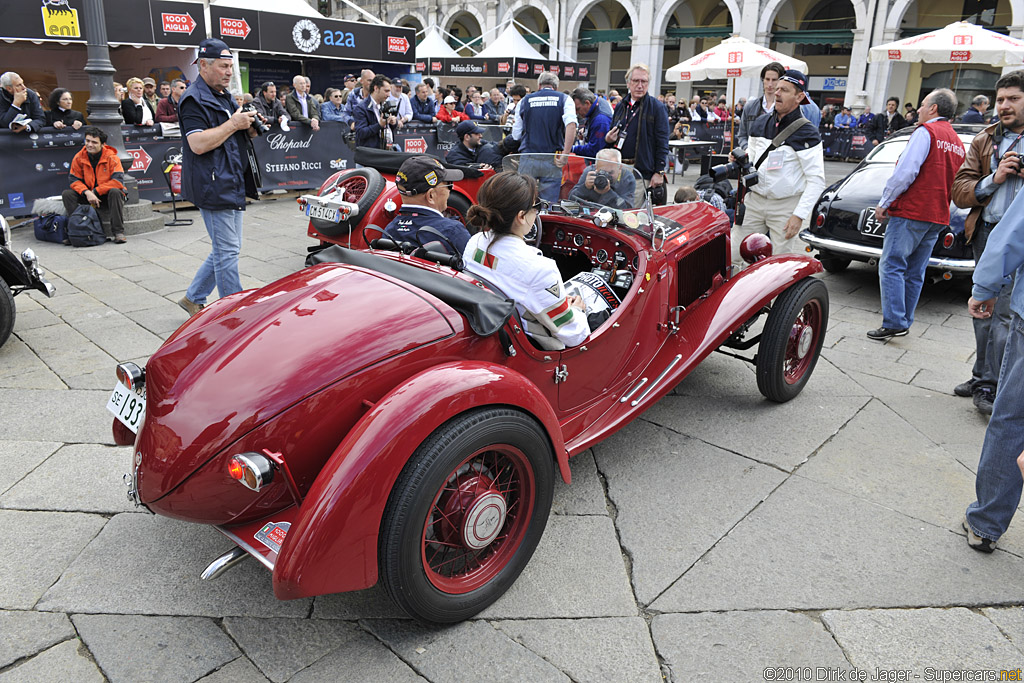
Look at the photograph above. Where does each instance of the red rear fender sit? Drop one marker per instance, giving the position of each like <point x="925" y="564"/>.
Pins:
<point x="332" y="547"/>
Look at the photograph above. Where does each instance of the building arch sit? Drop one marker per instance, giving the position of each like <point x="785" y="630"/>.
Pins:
<point x="764" y="22"/>
<point x="522" y="5"/>
<point x="455" y="12"/>
<point x="664" y="15"/>
<point x="581" y="10"/>
<point x="409" y="16"/>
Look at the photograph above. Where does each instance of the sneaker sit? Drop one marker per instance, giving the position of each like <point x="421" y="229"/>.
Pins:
<point x="883" y="333"/>
<point x="983" y="399"/>
<point x="982" y="545"/>
<point x="190" y="306"/>
<point x="965" y="389"/>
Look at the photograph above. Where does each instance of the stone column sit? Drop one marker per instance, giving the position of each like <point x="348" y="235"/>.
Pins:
<point x="858" y="70"/>
<point x="603" y="68"/>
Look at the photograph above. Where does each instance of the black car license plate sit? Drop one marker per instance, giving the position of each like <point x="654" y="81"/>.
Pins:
<point x="871" y="225"/>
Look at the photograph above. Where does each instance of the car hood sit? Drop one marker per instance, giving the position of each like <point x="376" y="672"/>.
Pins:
<point x="235" y="366"/>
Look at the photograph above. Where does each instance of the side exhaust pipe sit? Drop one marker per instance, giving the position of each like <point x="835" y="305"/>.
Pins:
<point x="223" y="563"/>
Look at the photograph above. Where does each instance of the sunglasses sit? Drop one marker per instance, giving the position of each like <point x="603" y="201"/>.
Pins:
<point x="538" y="205"/>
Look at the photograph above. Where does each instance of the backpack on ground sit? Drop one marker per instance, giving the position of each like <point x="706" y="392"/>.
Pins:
<point x="51" y="228"/>
<point x="85" y="228"/>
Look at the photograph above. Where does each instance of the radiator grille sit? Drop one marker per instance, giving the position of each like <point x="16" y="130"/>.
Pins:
<point x="698" y="268"/>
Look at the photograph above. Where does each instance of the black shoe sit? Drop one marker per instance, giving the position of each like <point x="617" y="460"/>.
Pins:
<point x="983" y="399"/>
<point x="982" y="545"/>
<point x="883" y="333"/>
<point x="965" y="389"/>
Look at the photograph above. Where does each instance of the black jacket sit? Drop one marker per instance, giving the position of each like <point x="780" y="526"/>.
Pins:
<point x="652" y="136"/>
<point x="132" y="113"/>
<point x="65" y="116"/>
<point x="31" y="107"/>
<point x="881" y="126"/>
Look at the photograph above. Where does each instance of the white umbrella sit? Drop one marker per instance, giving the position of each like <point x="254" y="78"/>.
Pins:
<point x="959" y="43"/>
<point x="734" y="57"/>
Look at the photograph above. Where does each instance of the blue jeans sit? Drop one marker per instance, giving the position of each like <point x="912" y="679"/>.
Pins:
<point x="999" y="481"/>
<point x="542" y="168"/>
<point x="905" y="251"/>
<point x="989" y="333"/>
<point x="221" y="267"/>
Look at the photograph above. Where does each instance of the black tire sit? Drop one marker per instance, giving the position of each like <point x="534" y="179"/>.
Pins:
<point x="8" y="312"/>
<point x="792" y="340"/>
<point x="372" y="183"/>
<point x="834" y="264"/>
<point x="458" y="207"/>
<point x="425" y="563"/>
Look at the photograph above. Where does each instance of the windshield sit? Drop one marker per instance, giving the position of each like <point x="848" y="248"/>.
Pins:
<point x="601" y="182"/>
<point x="890" y="150"/>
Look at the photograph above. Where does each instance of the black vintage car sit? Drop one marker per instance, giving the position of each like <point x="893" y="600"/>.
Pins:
<point x="16" y="276"/>
<point x="844" y="227"/>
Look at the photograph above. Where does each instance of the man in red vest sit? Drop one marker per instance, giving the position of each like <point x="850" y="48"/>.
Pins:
<point x="916" y="202"/>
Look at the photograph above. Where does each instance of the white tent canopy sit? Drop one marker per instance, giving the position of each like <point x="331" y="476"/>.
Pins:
<point x="434" y="46"/>
<point x="734" y="57"/>
<point x="957" y="43"/>
<point x="296" y="7"/>
<point x="508" y="44"/>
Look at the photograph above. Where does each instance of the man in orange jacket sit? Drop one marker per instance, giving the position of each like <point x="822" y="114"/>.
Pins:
<point x="96" y="175"/>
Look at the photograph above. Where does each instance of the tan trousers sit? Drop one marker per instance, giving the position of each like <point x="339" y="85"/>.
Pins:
<point x="768" y="217"/>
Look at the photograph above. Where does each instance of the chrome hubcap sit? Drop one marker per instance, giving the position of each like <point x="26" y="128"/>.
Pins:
<point x="804" y="342"/>
<point x="484" y="520"/>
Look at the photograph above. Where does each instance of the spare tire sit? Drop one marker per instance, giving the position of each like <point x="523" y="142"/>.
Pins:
<point x="362" y="187"/>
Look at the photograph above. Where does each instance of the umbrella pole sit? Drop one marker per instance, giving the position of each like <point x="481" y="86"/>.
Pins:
<point x="732" y="118"/>
<point x="952" y="82"/>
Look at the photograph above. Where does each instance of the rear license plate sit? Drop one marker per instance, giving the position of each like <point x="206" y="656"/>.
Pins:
<point x="127" y="406"/>
<point x="871" y="225"/>
<point x="326" y="213"/>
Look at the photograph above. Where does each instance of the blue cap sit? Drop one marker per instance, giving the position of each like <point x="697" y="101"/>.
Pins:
<point x="799" y="80"/>
<point x="212" y="48"/>
<point x="467" y="127"/>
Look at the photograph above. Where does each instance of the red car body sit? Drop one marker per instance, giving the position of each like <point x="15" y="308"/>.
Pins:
<point x="340" y="374"/>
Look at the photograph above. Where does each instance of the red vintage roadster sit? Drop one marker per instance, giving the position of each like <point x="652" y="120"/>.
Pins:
<point x="383" y="415"/>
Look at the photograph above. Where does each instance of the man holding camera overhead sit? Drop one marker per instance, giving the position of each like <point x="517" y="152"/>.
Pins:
<point x="786" y="151"/>
<point x="218" y="169"/>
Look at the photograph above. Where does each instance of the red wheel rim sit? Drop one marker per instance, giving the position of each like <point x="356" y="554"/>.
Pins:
<point x="804" y="336"/>
<point x="353" y="188"/>
<point x="452" y="212"/>
<point x="451" y="564"/>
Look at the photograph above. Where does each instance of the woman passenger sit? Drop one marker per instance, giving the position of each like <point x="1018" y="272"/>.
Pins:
<point x="506" y="210"/>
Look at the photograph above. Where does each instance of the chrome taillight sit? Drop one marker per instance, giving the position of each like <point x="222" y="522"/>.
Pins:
<point x="820" y="220"/>
<point x="252" y="470"/>
<point x="947" y="240"/>
<point x="132" y="376"/>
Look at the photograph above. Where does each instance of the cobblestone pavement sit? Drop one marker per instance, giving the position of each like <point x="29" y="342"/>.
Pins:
<point x="715" y="537"/>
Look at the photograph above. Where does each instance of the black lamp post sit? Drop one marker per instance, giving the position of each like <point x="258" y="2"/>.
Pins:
<point x="104" y="109"/>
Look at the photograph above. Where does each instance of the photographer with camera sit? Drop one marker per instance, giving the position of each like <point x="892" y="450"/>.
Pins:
<point x="606" y="182"/>
<point x="219" y="169"/>
<point x="786" y="153"/>
<point x="376" y="119"/>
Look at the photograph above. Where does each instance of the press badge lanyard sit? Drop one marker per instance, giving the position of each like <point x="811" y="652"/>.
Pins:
<point x="634" y="109"/>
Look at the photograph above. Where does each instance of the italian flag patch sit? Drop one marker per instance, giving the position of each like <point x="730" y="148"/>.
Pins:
<point x="560" y="314"/>
<point x="485" y="259"/>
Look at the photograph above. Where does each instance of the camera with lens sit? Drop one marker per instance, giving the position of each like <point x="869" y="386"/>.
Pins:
<point x="388" y="109"/>
<point x="602" y="180"/>
<point x="257" y="123"/>
<point x="741" y="168"/>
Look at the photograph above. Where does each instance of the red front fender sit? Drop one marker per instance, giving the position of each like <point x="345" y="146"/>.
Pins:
<point x="332" y="547"/>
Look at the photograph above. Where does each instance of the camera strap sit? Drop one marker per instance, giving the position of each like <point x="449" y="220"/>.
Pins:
<point x="779" y="139"/>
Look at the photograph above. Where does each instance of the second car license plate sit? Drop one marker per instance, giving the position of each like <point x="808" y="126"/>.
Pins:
<point x="871" y="225"/>
<point x="127" y="406"/>
<point x="326" y="213"/>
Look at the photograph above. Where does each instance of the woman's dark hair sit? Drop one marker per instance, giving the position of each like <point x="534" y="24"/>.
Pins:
<point x="55" y="96"/>
<point x="500" y="200"/>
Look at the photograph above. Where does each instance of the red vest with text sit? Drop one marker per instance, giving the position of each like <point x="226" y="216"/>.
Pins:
<point x="927" y="198"/>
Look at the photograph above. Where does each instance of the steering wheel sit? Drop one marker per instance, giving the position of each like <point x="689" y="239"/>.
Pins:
<point x="533" y="237"/>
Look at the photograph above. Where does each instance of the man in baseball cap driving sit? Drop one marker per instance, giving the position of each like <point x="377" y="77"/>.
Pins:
<point x="425" y="185"/>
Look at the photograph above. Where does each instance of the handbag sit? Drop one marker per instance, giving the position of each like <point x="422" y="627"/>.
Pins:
<point x="51" y="228"/>
<point x="85" y="228"/>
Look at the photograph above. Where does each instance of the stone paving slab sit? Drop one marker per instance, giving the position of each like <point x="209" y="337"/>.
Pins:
<point x="143" y="564"/>
<point x="77" y="478"/>
<point x="665" y="531"/>
<point x="946" y="419"/>
<point x="66" y="351"/>
<point x="585" y="496"/>
<point x="917" y="640"/>
<point x="617" y="649"/>
<point x="20" y="367"/>
<point x="36" y="548"/>
<point x="280" y="648"/>
<point x="361" y="659"/>
<point x="166" y="649"/>
<point x="810" y="546"/>
<point x="1009" y="620"/>
<point x="68" y="661"/>
<point x="21" y="457"/>
<point x="23" y="634"/>
<point x="576" y="571"/>
<point x="445" y="655"/>
<point x="240" y="670"/>
<point x="714" y="421"/>
<point x="67" y="416"/>
<point x="868" y="365"/>
<point x="372" y="603"/>
<point x="124" y="339"/>
<point x="739" y="646"/>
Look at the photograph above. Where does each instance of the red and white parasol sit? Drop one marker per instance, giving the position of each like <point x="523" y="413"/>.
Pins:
<point x="734" y="57"/>
<point x="959" y="43"/>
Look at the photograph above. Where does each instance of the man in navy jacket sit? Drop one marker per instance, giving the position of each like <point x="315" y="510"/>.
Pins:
<point x="373" y="130"/>
<point x="15" y="99"/>
<point x="425" y="185"/>
<point x="423" y="106"/>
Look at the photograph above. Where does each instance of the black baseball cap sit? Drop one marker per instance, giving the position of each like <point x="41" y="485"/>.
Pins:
<point x="418" y="174"/>
<point x="467" y="127"/>
<point x="799" y="80"/>
<point x="211" y="48"/>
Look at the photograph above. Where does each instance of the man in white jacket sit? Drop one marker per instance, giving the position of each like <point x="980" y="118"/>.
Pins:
<point x="789" y="179"/>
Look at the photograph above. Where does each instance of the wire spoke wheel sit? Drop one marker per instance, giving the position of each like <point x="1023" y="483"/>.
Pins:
<point x="792" y="340"/>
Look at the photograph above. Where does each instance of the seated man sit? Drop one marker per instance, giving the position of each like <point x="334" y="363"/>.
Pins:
<point x="606" y="182"/>
<point x="20" y="109"/>
<point x="96" y="174"/>
<point x="425" y="184"/>
<point x="471" y="149"/>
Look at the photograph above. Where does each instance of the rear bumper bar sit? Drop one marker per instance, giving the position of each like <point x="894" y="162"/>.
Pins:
<point x="864" y="252"/>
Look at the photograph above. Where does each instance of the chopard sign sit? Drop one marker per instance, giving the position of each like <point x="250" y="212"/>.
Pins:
<point x="281" y="142"/>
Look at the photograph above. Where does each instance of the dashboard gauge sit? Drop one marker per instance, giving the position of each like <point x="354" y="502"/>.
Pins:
<point x="577" y="239"/>
<point x="559" y="235"/>
<point x="620" y="257"/>
<point x="636" y="263"/>
<point x="601" y="256"/>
